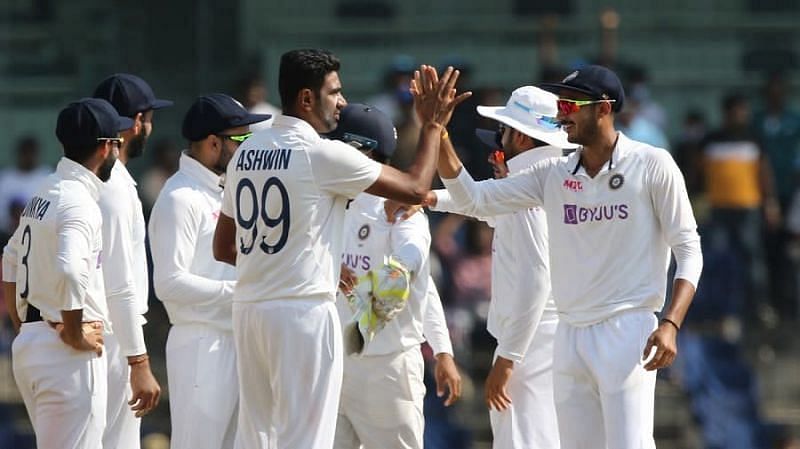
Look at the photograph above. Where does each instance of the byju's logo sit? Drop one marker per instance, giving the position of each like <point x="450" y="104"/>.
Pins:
<point x="575" y="215"/>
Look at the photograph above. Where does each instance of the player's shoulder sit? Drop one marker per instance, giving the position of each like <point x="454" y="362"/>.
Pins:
<point x="645" y="152"/>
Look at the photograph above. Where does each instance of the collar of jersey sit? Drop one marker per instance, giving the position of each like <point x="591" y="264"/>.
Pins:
<point x="527" y="158"/>
<point x="194" y="169"/>
<point x="621" y="150"/>
<point x="69" y="169"/>
<point x="119" y="172"/>
<point x="287" y="121"/>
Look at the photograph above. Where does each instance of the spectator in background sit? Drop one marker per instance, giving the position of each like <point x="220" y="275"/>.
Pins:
<point x="778" y="129"/>
<point x="254" y="98"/>
<point x="687" y="150"/>
<point x="741" y="197"/>
<point x="395" y="99"/>
<point x="20" y="181"/>
<point x="164" y="155"/>
<point x="633" y="123"/>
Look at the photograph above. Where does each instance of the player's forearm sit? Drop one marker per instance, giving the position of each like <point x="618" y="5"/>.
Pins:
<point x="448" y="164"/>
<point x="10" y="299"/>
<point x="184" y="288"/>
<point x="127" y="323"/>
<point x="224" y="245"/>
<point x="72" y="333"/>
<point x="682" y="296"/>
<point x="423" y="168"/>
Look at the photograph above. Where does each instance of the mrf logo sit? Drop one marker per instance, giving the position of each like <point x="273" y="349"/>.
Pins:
<point x="574" y="185"/>
<point x="577" y="215"/>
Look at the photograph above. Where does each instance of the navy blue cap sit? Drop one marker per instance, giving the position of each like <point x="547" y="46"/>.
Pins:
<point x="595" y="80"/>
<point x="367" y="126"/>
<point x="129" y="94"/>
<point x="491" y="139"/>
<point x="214" y="113"/>
<point x="81" y="123"/>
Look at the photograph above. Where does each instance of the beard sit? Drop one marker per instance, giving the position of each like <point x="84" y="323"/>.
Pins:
<point x="136" y="145"/>
<point x="104" y="171"/>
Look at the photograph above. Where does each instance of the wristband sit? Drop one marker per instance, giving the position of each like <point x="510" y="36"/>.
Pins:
<point x="670" y="322"/>
<point x="138" y="359"/>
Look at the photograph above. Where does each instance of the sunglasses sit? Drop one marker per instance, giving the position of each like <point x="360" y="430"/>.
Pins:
<point x="568" y="106"/>
<point x="542" y="121"/>
<point x="117" y="140"/>
<point x="239" y="138"/>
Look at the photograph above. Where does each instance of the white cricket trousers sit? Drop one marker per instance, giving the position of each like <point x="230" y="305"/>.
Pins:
<point x="381" y="405"/>
<point x="289" y="357"/>
<point x="122" y="425"/>
<point x="530" y="422"/>
<point x="64" y="390"/>
<point x="203" y="387"/>
<point x="604" y="397"/>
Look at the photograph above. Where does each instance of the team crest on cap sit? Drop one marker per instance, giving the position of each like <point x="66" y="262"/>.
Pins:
<point x="363" y="232"/>
<point x="616" y="181"/>
<point x="570" y="77"/>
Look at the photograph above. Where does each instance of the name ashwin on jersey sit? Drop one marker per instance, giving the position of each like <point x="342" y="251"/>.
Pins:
<point x="257" y="159"/>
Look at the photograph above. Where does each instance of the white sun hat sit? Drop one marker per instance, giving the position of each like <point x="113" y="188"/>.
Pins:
<point x="531" y="111"/>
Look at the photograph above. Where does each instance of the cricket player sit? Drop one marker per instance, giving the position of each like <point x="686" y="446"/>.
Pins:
<point x="196" y="290"/>
<point x="522" y="314"/>
<point x="54" y="285"/>
<point x="614" y="210"/>
<point x="382" y="388"/>
<point x="282" y="226"/>
<point x="132" y="390"/>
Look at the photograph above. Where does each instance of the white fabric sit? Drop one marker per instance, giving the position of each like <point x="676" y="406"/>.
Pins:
<point x="125" y="269"/>
<point x="612" y="243"/>
<point x="203" y="387"/>
<point x="521" y="290"/>
<point x="602" y="391"/>
<point x="289" y="359"/>
<point x="368" y="238"/>
<point x="193" y="286"/>
<point x="434" y="326"/>
<point x="64" y="390"/>
<point x="381" y="405"/>
<point x="531" y="111"/>
<point x="58" y="260"/>
<point x="318" y="176"/>
<point x="122" y="426"/>
<point x="530" y="421"/>
<point x="18" y="185"/>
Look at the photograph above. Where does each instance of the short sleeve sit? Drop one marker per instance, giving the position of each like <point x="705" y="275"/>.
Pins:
<point x="341" y="169"/>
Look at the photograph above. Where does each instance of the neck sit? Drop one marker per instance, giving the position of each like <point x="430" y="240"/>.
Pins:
<point x="202" y="157"/>
<point x="595" y="155"/>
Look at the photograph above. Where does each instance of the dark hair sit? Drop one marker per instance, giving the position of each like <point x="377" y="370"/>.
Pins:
<point x="733" y="100"/>
<point x="303" y="69"/>
<point x="80" y="154"/>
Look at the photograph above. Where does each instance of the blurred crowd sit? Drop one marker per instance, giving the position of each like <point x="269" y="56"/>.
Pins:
<point x="742" y="176"/>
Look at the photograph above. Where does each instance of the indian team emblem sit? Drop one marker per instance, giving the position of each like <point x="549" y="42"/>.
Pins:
<point x="616" y="181"/>
<point x="363" y="232"/>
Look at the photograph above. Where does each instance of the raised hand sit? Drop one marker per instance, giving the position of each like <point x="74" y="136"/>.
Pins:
<point x="435" y="98"/>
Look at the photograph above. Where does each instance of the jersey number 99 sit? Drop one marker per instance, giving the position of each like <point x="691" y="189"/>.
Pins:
<point x="247" y="190"/>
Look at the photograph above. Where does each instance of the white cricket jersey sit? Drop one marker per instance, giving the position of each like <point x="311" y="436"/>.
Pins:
<point x="521" y="291"/>
<point x="609" y="235"/>
<point x="368" y="238"/>
<point x="125" y="256"/>
<point x="286" y="188"/>
<point x="55" y="254"/>
<point x="434" y="325"/>
<point x="194" y="287"/>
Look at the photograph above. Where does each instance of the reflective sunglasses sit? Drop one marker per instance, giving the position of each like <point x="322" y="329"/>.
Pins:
<point x="239" y="138"/>
<point x="542" y="121"/>
<point x="568" y="106"/>
<point x="117" y="140"/>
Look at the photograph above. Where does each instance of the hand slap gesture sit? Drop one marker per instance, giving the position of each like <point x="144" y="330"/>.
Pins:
<point x="435" y="98"/>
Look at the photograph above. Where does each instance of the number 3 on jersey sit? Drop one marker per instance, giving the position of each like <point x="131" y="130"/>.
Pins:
<point x="246" y="191"/>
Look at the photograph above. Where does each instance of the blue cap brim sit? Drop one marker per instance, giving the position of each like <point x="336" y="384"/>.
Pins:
<point x="488" y="138"/>
<point x="124" y="123"/>
<point x="159" y="104"/>
<point x="249" y="119"/>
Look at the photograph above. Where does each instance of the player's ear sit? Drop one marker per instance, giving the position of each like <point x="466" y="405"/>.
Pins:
<point x="138" y="122"/>
<point x="306" y="99"/>
<point x="605" y="108"/>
